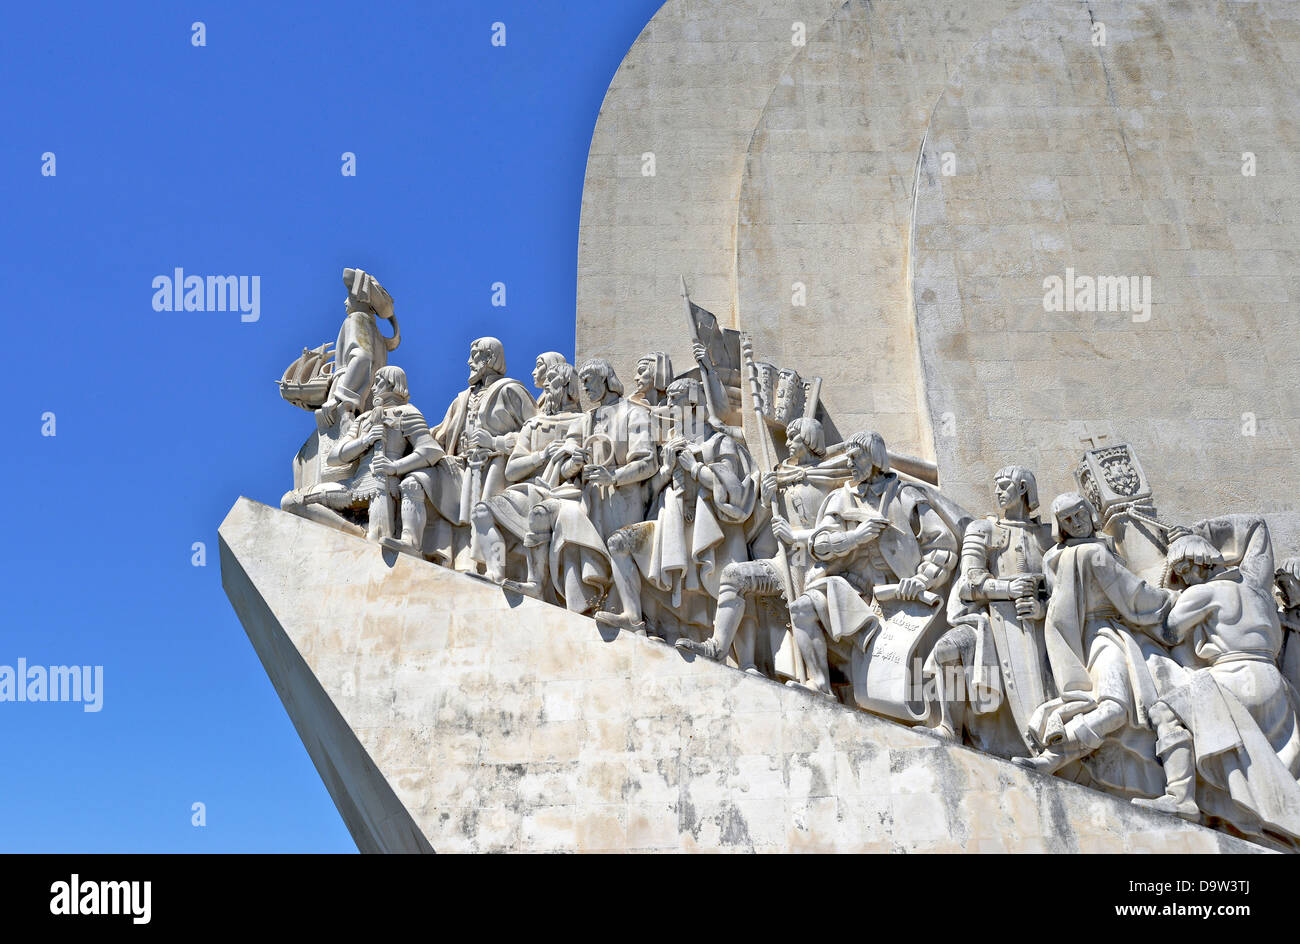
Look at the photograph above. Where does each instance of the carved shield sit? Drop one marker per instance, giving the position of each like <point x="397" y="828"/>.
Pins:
<point x="1120" y="475"/>
<point x="1111" y="476"/>
<point x="1021" y="658"/>
<point x="789" y="400"/>
<point x="887" y="677"/>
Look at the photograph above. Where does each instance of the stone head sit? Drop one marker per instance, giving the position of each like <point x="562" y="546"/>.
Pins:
<point x="804" y="438"/>
<point x="545" y="363"/>
<point x="1013" y="484"/>
<point x="1072" y="517"/>
<point x="487" y="356"/>
<point x="389" y="388"/>
<point x="654" y="372"/>
<point x="599" y="380"/>
<point x="684" y="396"/>
<point x="1191" y="560"/>
<point x="561" y="386"/>
<point x="867" y="456"/>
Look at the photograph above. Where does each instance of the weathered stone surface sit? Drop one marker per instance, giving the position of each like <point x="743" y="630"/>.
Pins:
<point x="826" y="202"/>
<point x="443" y="712"/>
<point x="777" y="163"/>
<point x="690" y="92"/>
<point x="1118" y="160"/>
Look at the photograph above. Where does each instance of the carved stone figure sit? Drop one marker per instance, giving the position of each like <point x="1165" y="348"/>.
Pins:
<point x="475" y="437"/>
<point x="334" y="381"/>
<point x="361" y="349"/>
<point x="540" y="512"/>
<point x="802" y="492"/>
<point x="704" y="493"/>
<point x="546" y="362"/>
<point x="990" y="669"/>
<point x="617" y="455"/>
<point x="376" y="449"/>
<point x="1287" y="581"/>
<point x="532" y="469"/>
<point x="877" y="539"/>
<point x="1104" y="691"/>
<point x="1229" y="738"/>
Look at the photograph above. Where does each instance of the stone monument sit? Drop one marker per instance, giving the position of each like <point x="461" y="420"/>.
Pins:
<point x="685" y="612"/>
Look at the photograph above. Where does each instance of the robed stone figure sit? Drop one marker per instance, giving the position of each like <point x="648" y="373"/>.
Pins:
<point x="475" y="437"/>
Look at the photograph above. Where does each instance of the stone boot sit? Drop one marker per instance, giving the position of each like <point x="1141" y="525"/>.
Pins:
<point x="709" y="649"/>
<point x="1180" y="784"/>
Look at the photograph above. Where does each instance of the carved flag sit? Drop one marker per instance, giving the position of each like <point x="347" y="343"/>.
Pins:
<point x="723" y="344"/>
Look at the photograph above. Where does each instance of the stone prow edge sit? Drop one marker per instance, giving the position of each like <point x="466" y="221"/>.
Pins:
<point x="375" y="818"/>
<point x="379" y="822"/>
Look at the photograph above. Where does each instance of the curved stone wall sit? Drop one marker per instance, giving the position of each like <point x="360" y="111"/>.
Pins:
<point x="690" y="92"/>
<point x="777" y="164"/>
<point x="1118" y="160"/>
<point x="826" y="203"/>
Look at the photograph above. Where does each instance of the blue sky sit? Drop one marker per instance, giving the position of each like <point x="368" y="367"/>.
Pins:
<point x="225" y="160"/>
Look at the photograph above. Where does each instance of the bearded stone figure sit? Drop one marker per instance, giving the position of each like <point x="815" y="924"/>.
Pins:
<point x="668" y="567"/>
<point x="475" y="437"/>
<point x="538" y="521"/>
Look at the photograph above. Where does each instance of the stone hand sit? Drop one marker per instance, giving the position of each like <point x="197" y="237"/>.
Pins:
<point x="481" y="439"/>
<point x="767" y="487"/>
<point x="870" y="529"/>
<point x="1023" y="587"/>
<point x="374" y="434"/>
<point x="911" y="588"/>
<point x="781" y="530"/>
<point x="1028" y="607"/>
<point x="381" y="465"/>
<point x="701" y="354"/>
<point x="598" y="475"/>
<point x="1194" y="549"/>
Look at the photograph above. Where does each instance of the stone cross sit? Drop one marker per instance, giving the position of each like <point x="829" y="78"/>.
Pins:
<point x="1092" y="440"/>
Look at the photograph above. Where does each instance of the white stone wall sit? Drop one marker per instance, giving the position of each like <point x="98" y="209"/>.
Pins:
<point x="1123" y="160"/>
<point x="826" y="201"/>
<point x="793" y="164"/>
<point x="690" y="91"/>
